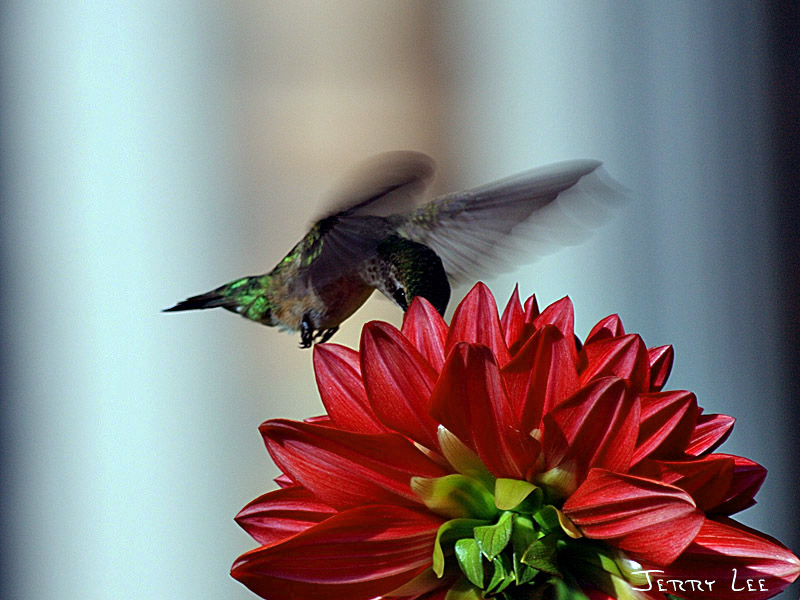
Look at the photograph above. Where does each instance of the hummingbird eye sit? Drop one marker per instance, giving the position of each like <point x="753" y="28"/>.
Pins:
<point x="399" y="296"/>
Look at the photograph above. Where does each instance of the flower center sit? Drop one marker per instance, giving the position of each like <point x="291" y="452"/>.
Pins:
<point x="506" y="538"/>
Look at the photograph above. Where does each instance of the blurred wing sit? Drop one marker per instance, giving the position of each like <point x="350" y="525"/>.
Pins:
<point x="480" y="228"/>
<point x="387" y="184"/>
<point x="338" y="245"/>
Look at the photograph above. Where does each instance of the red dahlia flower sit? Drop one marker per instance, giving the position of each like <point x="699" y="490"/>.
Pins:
<point x="500" y="457"/>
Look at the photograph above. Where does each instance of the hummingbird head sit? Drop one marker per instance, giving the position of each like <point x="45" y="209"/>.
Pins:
<point x="418" y="271"/>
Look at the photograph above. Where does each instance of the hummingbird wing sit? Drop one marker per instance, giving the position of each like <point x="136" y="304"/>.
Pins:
<point x="357" y="209"/>
<point x="478" y="228"/>
<point x="386" y="184"/>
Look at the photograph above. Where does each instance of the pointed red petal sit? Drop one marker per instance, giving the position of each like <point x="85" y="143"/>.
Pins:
<point x="610" y="327"/>
<point x="321" y="420"/>
<point x="426" y="330"/>
<point x="344" y="469"/>
<point x="721" y="547"/>
<point x="470" y="400"/>
<point x="475" y="321"/>
<point x="706" y="479"/>
<point x="540" y="376"/>
<point x="668" y="420"/>
<point x="280" y="514"/>
<point x="284" y="481"/>
<point x="338" y="373"/>
<point x="596" y="427"/>
<point x="513" y="320"/>
<point x="649" y="519"/>
<point x="359" y="554"/>
<point x="530" y="311"/>
<point x="624" y="357"/>
<point x="531" y="308"/>
<point x="748" y="476"/>
<point x="399" y="382"/>
<point x="661" y="359"/>
<point x="562" y="315"/>
<point x="709" y="433"/>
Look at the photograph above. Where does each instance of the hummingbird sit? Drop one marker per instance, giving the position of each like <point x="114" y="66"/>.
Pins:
<point x="377" y="235"/>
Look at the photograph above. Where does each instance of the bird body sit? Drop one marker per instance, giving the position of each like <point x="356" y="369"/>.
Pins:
<point x="378" y="238"/>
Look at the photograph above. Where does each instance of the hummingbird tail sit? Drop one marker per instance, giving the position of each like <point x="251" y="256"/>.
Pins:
<point x="213" y="299"/>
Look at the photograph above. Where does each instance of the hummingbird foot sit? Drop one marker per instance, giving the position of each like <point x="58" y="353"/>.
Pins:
<point x="309" y="335"/>
<point x="306" y="332"/>
<point x="325" y="335"/>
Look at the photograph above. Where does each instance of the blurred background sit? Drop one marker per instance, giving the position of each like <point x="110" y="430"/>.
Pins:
<point x="154" y="150"/>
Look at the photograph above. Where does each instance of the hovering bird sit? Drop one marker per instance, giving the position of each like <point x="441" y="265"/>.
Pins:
<point x="378" y="236"/>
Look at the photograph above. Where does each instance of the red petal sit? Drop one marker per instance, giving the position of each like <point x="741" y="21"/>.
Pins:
<point x="624" y="357"/>
<point x="610" y="327"/>
<point x="530" y="311"/>
<point x="284" y="481"/>
<point x="706" y="479"/>
<point x="596" y="427"/>
<point x="562" y="315"/>
<point x="721" y="547"/>
<point x="747" y="479"/>
<point x="470" y="400"/>
<point x="321" y="420"/>
<point x="359" y="554"/>
<point x="281" y="514"/>
<point x="425" y="328"/>
<point x="399" y="382"/>
<point x="344" y="469"/>
<point x="338" y="373"/>
<point x="709" y="433"/>
<point x="668" y="420"/>
<point x="540" y="376"/>
<point x="661" y="359"/>
<point x="531" y="308"/>
<point x="513" y="319"/>
<point x="476" y="321"/>
<point x="649" y="519"/>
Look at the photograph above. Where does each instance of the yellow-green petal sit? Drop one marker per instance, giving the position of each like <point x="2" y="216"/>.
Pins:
<point x="455" y="496"/>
